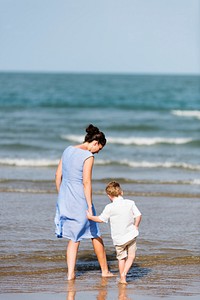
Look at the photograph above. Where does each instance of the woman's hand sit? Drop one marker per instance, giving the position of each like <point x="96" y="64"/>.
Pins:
<point x="90" y="212"/>
<point x="93" y="218"/>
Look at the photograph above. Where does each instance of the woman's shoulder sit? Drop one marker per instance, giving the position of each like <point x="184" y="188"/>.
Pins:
<point x="78" y="151"/>
<point x="68" y="148"/>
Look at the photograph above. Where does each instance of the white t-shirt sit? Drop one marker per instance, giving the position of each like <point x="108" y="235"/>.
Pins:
<point x="121" y="213"/>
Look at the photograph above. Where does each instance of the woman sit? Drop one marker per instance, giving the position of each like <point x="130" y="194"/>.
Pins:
<point x="74" y="186"/>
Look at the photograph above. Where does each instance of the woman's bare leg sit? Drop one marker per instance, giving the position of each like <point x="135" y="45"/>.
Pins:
<point x="101" y="256"/>
<point x="71" y="255"/>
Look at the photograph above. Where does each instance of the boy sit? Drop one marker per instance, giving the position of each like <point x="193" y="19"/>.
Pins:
<point x="124" y="219"/>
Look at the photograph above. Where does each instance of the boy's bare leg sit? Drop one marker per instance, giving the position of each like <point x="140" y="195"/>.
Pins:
<point x="71" y="255"/>
<point x="121" y="263"/>
<point x="101" y="256"/>
<point x="71" y="290"/>
<point x="128" y="263"/>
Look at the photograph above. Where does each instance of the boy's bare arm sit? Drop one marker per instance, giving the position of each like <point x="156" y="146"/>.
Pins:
<point x="93" y="218"/>
<point x="137" y="221"/>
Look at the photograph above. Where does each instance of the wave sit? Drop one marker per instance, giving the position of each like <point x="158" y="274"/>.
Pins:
<point x="48" y="183"/>
<point x="146" y="164"/>
<point x="149" y="141"/>
<point x="150" y="182"/>
<point x="187" y="113"/>
<point x="26" y="191"/>
<point x="73" y="138"/>
<point x="139" y="141"/>
<point x="21" y="162"/>
<point x="195" y="181"/>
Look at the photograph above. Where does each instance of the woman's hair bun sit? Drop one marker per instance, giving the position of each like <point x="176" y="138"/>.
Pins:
<point x="94" y="134"/>
<point x="91" y="129"/>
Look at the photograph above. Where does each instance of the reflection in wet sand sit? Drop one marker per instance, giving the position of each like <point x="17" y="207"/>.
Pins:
<point x="122" y="292"/>
<point x="71" y="290"/>
<point x="102" y="293"/>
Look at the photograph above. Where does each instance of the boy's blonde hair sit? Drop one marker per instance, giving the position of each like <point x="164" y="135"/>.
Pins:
<point x="113" y="189"/>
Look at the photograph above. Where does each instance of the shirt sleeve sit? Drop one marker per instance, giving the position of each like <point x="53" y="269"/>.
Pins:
<point x="105" y="215"/>
<point x="135" y="211"/>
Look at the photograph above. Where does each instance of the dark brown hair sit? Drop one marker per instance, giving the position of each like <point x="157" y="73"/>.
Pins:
<point x="94" y="134"/>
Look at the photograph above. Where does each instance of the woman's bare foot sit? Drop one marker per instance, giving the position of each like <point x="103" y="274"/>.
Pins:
<point x="107" y="274"/>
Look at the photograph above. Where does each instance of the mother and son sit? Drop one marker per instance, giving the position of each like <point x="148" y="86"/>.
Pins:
<point x="75" y="213"/>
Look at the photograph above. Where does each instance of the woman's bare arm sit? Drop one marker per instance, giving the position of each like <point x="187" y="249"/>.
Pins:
<point x="93" y="218"/>
<point x="87" y="181"/>
<point x="58" y="176"/>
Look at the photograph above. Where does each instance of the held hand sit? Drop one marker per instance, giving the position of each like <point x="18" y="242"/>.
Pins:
<point x="88" y="213"/>
<point x="90" y="210"/>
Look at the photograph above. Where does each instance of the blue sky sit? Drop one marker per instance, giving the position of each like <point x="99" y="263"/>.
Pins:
<point x="128" y="36"/>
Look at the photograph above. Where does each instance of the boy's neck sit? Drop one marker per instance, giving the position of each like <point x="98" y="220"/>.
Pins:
<point x="117" y="197"/>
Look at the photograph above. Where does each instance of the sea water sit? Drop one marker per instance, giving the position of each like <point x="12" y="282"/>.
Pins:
<point x="152" y="126"/>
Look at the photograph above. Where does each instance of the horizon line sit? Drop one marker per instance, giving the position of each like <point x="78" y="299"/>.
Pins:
<point x="51" y="72"/>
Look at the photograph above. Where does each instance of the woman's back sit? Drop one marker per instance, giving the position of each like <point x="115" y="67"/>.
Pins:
<point x="72" y="163"/>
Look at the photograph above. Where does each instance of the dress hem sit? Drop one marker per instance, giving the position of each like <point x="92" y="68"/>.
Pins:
<point x="85" y="238"/>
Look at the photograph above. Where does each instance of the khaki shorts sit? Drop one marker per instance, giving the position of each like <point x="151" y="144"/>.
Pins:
<point x="127" y="249"/>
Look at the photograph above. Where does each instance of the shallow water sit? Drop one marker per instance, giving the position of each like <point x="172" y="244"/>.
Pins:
<point x="33" y="260"/>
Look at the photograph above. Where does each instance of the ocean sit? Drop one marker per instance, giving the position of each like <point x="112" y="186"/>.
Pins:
<point x="152" y="126"/>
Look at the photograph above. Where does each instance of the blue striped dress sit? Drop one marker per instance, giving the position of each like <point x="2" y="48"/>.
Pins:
<point x="70" y="219"/>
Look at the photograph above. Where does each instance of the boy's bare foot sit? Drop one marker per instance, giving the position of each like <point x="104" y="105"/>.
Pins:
<point x="122" y="279"/>
<point x="71" y="277"/>
<point x="122" y="282"/>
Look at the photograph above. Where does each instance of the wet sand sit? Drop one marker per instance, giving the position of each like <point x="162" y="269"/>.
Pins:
<point x="121" y="294"/>
<point x="87" y="296"/>
<point x="33" y="264"/>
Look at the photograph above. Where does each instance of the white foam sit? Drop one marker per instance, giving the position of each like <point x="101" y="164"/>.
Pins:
<point x="181" y="165"/>
<point x="140" y="141"/>
<point x="73" y="138"/>
<point x="187" y="113"/>
<point x="147" y="164"/>
<point x="196" y="181"/>
<point x="148" y="141"/>
<point x="21" y="162"/>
